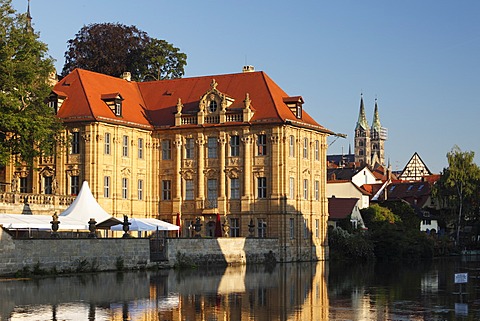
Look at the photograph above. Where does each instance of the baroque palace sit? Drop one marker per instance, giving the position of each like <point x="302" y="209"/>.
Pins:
<point x="190" y="150"/>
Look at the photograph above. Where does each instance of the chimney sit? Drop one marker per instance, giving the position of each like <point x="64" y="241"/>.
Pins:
<point x="248" y="68"/>
<point x="126" y="76"/>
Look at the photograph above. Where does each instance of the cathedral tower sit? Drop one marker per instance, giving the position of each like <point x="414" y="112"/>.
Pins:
<point x="377" y="139"/>
<point x="362" y="137"/>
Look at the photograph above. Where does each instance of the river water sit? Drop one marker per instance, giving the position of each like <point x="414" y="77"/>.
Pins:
<point x="298" y="291"/>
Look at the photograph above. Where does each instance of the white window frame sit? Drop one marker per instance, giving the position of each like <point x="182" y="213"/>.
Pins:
<point x="124" y="188"/>
<point x="261" y="187"/>
<point x="106" y="186"/>
<point x="107" y="144"/>
<point x="125" y="146"/>
<point x="140" y="148"/>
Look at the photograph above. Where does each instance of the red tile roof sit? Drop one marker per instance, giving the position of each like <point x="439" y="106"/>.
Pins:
<point x="153" y="104"/>
<point x="340" y="208"/>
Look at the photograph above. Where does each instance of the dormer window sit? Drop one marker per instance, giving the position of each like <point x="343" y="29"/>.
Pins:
<point x="295" y="105"/>
<point x="55" y="100"/>
<point x="114" y="102"/>
<point x="213" y="106"/>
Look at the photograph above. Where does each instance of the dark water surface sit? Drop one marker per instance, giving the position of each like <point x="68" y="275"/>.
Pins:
<point x="297" y="291"/>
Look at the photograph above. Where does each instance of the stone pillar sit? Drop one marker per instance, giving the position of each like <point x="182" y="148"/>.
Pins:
<point x="222" y="205"/>
<point x="200" y="172"/>
<point x="247" y="170"/>
<point x="177" y="196"/>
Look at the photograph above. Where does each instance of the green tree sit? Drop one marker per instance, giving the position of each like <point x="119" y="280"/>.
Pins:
<point x="458" y="185"/>
<point x="27" y="124"/>
<point x="112" y="48"/>
<point x="377" y="215"/>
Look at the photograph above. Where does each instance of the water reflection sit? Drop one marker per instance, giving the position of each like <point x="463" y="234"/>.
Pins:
<point x="301" y="291"/>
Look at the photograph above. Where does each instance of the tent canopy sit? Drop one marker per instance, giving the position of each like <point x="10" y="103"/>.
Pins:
<point x="85" y="207"/>
<point x="146" y="224"/>
<point x="40" y="222"/>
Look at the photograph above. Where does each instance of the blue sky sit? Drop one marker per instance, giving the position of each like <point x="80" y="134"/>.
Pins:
<point x="420" y="59"/>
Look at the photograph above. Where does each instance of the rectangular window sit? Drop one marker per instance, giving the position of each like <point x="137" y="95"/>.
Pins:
<point x="262" y="145"/>
<point x="291" y="188"/>
<point x="189" y="190"/>
<point x="305" y="189"/>
<point x="234" y="146"/>
<point x="76" y="143"/>
<point x="291" y="146"/>
<point x="23" y="185"/>
<point x="212" y="193"/>
<point x="140" y="148"/>
<point x="166" y="190"/>
<point x="47" y="184"/>
<point x="305" y="148"/>
<point x="262" y="187"/>
<point x="234" y="227"/>
<point x="317" y="150"/>
<point x="125" y="146"/>
<point x="124" y="188"/>
<point x="305" y="228"/>
<point x="234" y="188"/>
<point x="74" y="185"/>
<point x="166" y="149"/>
<point x="212" y="147"/>
<point x="261" y="228"/>
<point x="317" y="228"/>
<point x="317" y="190"/>
<point x="189" y="148"/>
<point x="106" y="144"/>
<point x="292" y="228"/>
<point x="140" y="190"/>
<point x="106" y="186"/>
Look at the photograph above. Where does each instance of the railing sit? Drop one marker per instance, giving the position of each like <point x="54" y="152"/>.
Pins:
<point x="234" y="118"/>
<point x="187" y="120"/>
<point x="40" y="199"/>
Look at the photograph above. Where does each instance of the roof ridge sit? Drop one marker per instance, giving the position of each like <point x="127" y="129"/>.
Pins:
<point x="84" y="92"/>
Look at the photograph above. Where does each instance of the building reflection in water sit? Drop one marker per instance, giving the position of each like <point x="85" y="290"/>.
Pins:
<point x="282" y="292"/>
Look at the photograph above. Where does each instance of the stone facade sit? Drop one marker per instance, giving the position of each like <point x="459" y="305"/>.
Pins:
<point x="230" y="147"/>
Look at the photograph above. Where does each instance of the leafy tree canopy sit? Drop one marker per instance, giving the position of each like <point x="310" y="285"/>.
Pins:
<point x="112" y="49"/>
<point x="458" y="187"/>
<point x="376" y="214"/>
<point x="27" y="124"/>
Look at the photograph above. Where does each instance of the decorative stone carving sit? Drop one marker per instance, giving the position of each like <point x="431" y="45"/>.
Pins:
<point x="179" y="106"/>
<point x="247" y="102"/>
<point x="211" y="173"/>
<point x="126" y="172"/>
<point x="233" y="172"/>
<point x="187" y="174"/>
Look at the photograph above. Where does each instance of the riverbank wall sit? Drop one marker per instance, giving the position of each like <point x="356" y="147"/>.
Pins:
<point x="73" y="255"/>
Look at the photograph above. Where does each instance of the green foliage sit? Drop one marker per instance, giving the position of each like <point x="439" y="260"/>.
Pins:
<point x="113" y="48"/>
<point x="458" y="189"/>
<point x="376" y="215"/>
<point x="346" y="246"/>
<point x="27" y="125"/>
<point x="391" y="243"/>
<point x="408" y="218"/>
<point x="183" y="261"/>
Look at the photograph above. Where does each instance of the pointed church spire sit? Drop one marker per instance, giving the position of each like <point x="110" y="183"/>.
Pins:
<point x="376" y="126"/>
<point x="362" y="118"/>
<point x="28" y="26"/>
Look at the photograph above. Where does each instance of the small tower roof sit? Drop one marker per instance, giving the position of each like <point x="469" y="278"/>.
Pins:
<point x="376" y="126"/>
<point x="362" y="118"/>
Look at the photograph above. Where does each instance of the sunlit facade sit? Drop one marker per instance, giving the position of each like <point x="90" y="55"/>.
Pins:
<point x="233" y="150"/>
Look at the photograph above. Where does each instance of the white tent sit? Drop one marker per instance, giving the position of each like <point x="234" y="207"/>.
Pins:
<point x="85" y="207"/>
<point x="39" y="222"/>
<point x="146" y="224"/>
